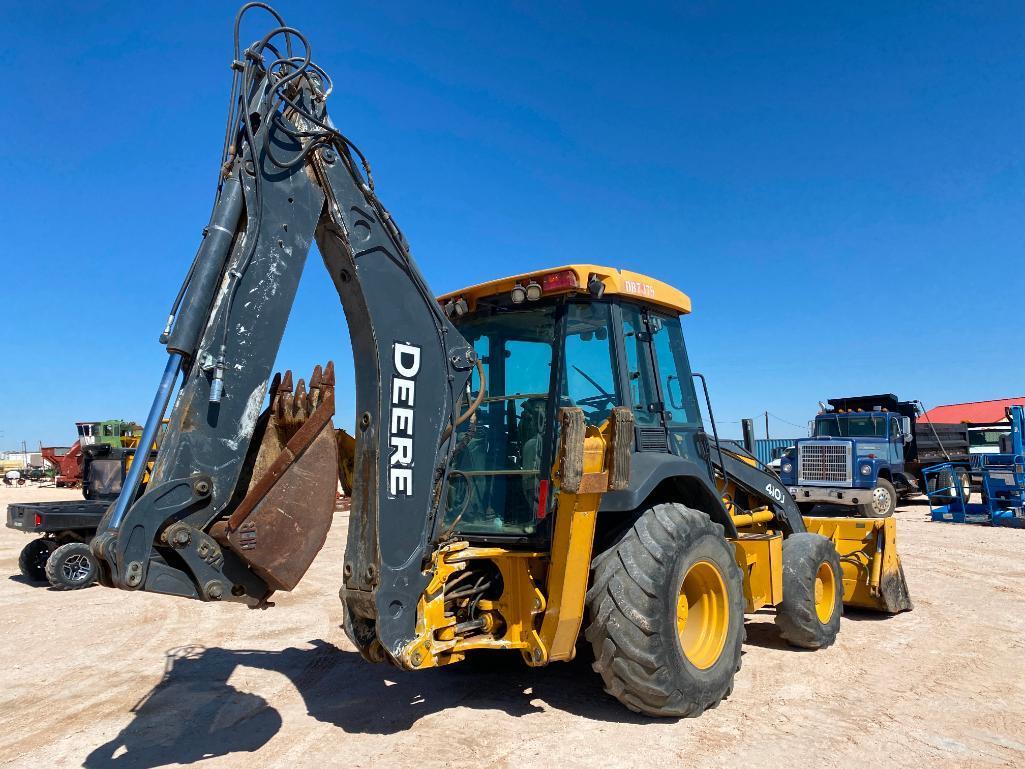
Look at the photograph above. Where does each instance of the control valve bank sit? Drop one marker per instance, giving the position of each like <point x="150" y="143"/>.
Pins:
<point x="867" y="451"/>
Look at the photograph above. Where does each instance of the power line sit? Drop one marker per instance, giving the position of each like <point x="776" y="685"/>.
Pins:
<point x="785" y="421"/>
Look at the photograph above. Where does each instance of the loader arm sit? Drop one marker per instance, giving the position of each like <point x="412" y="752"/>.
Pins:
<point x="241" y="495"/>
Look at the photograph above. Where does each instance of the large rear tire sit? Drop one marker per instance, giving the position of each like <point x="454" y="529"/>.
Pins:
<point x="667" y="614"/>
<point x="809" y="615"/>
<point x="33" y="557"/>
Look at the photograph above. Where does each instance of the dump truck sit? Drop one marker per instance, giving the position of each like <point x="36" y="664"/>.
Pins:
<point x="868" y="451"/>
<point x="531" y="467"/>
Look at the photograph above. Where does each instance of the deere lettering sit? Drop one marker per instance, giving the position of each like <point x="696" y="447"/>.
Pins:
<point x="406" y="359"/>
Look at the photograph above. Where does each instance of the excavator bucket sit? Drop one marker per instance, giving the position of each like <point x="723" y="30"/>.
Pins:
<point x="873" y="577"/>
<point x="282" y="521"/>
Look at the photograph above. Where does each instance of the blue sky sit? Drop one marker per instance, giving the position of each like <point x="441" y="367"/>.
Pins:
<point x="839" y="186"/>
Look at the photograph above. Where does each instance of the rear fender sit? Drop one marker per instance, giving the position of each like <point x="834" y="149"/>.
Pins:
<point x="656" y="477"/>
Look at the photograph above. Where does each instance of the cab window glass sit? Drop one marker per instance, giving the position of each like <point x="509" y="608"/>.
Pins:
<point x="497" y="467"/>
<point x="638" y="365"/>
<point x="674" y="376"/>
<point x="589" y="380"/>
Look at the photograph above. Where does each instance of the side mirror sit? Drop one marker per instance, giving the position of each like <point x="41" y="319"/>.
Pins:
<point x="905" y="426"/>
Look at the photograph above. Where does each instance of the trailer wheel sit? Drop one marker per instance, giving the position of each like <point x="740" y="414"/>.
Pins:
<point x="667" y="614"/>
<point x="72" y="567"/>
<point x="33" y="557"/>
<point x="809" y="615"/>
<point x="884" y="501"/>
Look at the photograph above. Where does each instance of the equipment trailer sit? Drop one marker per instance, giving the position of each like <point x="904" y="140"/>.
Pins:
<point x="529" y="460"/>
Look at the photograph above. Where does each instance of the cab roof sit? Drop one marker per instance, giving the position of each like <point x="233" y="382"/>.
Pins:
<point x="631" y="285"/>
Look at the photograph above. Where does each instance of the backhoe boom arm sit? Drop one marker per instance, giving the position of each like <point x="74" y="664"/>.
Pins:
<point x="208" y="524"/>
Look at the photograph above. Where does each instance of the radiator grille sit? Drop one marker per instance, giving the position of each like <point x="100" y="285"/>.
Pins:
<point x="825" y="462"/>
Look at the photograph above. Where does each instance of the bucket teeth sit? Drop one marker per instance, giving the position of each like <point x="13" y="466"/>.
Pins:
<point x="290" y="406"/>
<point x="302" y="403"/>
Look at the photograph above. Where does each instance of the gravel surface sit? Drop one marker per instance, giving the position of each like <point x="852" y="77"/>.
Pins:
<point x="103" y="678"/>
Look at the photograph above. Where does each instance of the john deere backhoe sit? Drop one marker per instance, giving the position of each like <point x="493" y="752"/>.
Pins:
<point x="530" y="463"/>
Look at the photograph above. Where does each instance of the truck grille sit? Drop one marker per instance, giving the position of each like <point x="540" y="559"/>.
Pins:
<point x="825" y="462"/>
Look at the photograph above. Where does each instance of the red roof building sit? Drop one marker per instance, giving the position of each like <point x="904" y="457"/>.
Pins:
<point x="975" y="412"/>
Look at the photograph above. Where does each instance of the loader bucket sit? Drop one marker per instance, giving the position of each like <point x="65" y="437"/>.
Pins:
<point x="282" y="522"/>
<point x="873" y="577"/>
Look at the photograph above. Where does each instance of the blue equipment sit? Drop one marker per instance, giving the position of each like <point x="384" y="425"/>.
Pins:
<point x="1002" y="478"/>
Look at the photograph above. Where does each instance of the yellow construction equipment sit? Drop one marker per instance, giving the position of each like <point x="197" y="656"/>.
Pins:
<point x="529" y="465"/>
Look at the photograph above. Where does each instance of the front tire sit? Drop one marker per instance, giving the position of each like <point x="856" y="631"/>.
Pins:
<point x="33" y="557"/>
<point x="884" y="501"/>
<point x="809" y="615"/>
<point x="72" y="567"/>
<point x="667" y="614"/>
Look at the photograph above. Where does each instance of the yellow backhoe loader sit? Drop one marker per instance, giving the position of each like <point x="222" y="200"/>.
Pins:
<point x="530" y="464"/>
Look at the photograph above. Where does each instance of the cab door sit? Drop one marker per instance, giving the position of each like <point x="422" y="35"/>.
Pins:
<point x="640" y="383"/>
<point x="896" y="441"/>
<point x="660" y="385"/>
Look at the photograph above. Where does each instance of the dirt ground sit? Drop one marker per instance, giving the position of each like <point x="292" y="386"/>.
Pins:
<point x="102" y="678"/>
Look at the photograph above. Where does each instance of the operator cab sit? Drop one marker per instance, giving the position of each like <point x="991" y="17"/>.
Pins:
<point x="581" y="336"/>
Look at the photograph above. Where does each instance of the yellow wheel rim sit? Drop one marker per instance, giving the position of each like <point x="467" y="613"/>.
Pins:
<point x="825" y="593"/>
<point x="702" y="614"/>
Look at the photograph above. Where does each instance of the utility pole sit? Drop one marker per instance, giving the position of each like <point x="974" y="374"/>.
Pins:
<point x="766" y="425"/>
<point x="748" y="428"/>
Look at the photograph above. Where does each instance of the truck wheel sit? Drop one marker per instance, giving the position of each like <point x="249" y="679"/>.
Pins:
<point x="945" y="480"/>
<point x="32" y="560"/>
<point x="966" y="485"/>
<point x="71" y="567"/>
<point x="809" y="615"/>
<point x="667" y="614"/>
<point x="884" y="501"/>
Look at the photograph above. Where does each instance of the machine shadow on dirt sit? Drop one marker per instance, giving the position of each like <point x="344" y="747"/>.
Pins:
<point x="195" y="713"/>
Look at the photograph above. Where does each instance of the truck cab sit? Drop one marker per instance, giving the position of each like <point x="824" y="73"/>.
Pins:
<point x="855" y="456"/>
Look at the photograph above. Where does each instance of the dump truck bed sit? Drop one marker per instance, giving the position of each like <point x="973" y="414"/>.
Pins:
<point x="938" y="442"/>
<point x="65" y="515"/>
